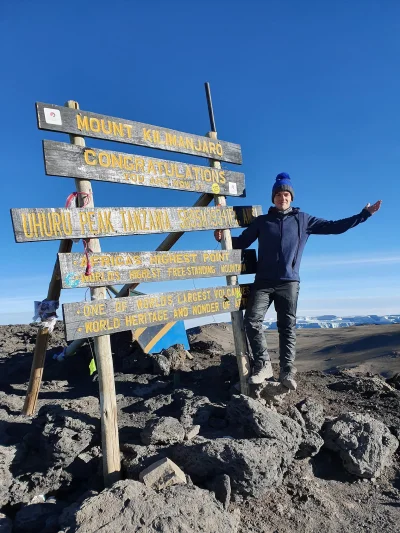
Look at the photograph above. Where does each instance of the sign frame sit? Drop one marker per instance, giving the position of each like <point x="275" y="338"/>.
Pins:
<point x="97" y="318"/>
<point x="115" y="268"/>
<point x="47" y="224"/>
<point x="97" y="126"/>
<point x="72" y="161"/>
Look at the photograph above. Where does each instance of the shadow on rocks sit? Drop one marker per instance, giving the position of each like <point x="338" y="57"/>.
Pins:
<point x="328" y="466"/>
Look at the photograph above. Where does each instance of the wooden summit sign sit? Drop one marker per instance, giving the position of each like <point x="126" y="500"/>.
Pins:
<point x="133" y="267"/>
<point x="74" y="121"/>
<point x="92" y="319"/>
<point x="71" y="161"/>
<point x="48" y="224"/>
<point x="101" y="317"/>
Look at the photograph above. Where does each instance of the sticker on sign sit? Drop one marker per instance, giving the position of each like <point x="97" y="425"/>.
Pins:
<point x="52" y="116"/>
<point x="232" y="187"/>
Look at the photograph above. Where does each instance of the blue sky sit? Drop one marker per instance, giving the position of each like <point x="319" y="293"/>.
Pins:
<point x="310" y="88"/>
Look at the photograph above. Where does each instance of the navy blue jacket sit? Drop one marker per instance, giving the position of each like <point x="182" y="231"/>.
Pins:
<point x="281" y="240"/>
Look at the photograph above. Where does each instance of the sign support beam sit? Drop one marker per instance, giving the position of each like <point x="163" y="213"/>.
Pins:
<point x="239" y="334"/>
<point x="104" y="362"/>
<point x="42" y="339"/>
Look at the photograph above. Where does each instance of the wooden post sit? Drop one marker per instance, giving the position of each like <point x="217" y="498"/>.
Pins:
<point x="42" y="339"/>
<point x="239" y="335"/>
<point x="104" y="362"/>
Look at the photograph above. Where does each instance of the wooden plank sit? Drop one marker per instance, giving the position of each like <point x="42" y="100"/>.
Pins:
<point x="39" y="224"/>
<point x="66" y="160"/>
<point x="167" y="243"/>
<point x="130" y="267"/>
<point x="91" y="319"/>
<point x="57" y="118"/>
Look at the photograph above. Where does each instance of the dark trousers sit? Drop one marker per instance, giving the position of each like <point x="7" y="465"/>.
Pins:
<point x="284" y="294"/>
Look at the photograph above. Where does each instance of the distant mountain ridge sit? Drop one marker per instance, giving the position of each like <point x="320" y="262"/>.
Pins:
<point x="332" y="321"/>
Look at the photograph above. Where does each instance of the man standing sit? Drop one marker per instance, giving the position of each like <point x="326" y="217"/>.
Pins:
<point x="282" y="235"/>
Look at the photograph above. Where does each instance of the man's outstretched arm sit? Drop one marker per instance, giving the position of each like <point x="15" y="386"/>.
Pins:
<point x="319" y="226"/>
<point x="244" y="240"/>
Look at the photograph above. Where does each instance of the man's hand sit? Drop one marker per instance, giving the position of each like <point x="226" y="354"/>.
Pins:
<point x="373" y="208"/>
<point x="218" y="235"/>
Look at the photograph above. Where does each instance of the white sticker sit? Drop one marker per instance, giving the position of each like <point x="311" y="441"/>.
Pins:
<point x="232" y="188"/>
<point x="52" y="116"/>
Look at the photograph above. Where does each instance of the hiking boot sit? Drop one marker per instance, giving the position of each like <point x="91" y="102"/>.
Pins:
<point x="287" y="380"/>
<point x="262" y="370"/>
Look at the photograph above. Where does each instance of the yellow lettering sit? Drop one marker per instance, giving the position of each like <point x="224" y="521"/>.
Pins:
<point x="104" y="159"/>
<point x="118" y="129"/>
<point x="123" y="213"/>
<point x="26" y="232"/>
<point x="56" y="223"/>
<point x="47" y="224"/>
<point x="139" y="164"/>
<point x="94" y="124"/>
<point x="116" y="160"/>
<point x="128" y="128"/>
<point x="147" y="135"/>
<point x="170" y="139"/>
<point x="83" y="220"/>
<point x="189" y="143"/>
<point x="128" y="162"/>
<point x="103" y="127"/>
<point x="91" y="153"/>
<point x="82" y="123"/>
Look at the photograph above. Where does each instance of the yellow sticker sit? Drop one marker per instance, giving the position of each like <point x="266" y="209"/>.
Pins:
<point x="215" y="188"/>
<point x="92" y="366"/>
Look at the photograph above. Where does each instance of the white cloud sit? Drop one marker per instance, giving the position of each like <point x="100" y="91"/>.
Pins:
<point x="323" y="261"/>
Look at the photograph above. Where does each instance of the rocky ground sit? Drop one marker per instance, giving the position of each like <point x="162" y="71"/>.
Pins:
<point x="322" y="459"/>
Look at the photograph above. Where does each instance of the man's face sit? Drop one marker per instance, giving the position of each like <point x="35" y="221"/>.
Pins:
<point x="282" y="200"/>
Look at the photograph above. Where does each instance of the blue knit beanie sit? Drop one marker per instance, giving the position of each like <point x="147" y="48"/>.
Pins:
<point x="282" y="183"/>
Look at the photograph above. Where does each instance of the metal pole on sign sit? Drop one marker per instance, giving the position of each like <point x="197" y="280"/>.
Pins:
<point x="210" y="107"/>
<point x="239" y="335"/>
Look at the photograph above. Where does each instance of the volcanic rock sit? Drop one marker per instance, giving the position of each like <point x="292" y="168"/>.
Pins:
<point x="365" y="445"/>
<point x="221" y="486"/>
<point x="209" y="347"/>
<point x="5" y="524"/>
<point x="131" y="506"/>
<point x="7" y="456"/>
<point x="263" y="422"/>
<point x="195" y="410"/>
<point x="312" y="413"/>
<point x="165" y="430"/>
<point x="272" y="392"/>
<point x="164" y="473"/>
<point x="161" y="364"/>
<point x="32" y="518"/>
<point x="192" y="432"/>
<point x="364" y="385"/>
<point x="253" y="465"/>
<point x="176" y="356"/>
<point x="64" y="437"/>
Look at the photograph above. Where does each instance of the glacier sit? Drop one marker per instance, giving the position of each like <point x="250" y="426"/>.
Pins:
<point x="332" y="321"/>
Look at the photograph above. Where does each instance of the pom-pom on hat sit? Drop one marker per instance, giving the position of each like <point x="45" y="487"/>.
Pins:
<point x="282" y="183"/>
